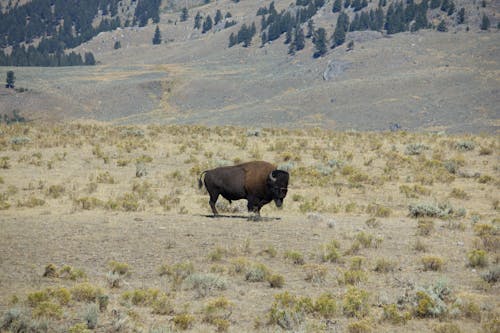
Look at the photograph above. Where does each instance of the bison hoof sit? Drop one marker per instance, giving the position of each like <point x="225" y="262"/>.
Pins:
<point x="254" y="218"/>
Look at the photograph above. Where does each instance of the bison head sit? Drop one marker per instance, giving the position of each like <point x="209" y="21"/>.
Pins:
<point x="277" y="183"/>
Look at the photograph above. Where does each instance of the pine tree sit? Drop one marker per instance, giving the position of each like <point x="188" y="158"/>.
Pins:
<point x="207" y="25"/>
<point x="338" y="36"/>
<point x="319" y="41"/>
<point x="435" y="4"/>
<point x="442" y="26"/>
<point x="157" y="36"/>
<point x="341" y="29"/>
<point x="343" y="21"/>
<point x="10" y="80"/>
<point x="218" y="17"/>
<point x="197" y="21"/>
<point x="233" y="40"/>
<point x="451" y="8"/>
<point x="288" y="35"/>
<point x="461" y="16"/>
<point x="299" y="39"/>
<point x="337" y="6"/>
<point x="184" y="14"/>
<point x="89" y="59"/>
<point x="485" y="22"/>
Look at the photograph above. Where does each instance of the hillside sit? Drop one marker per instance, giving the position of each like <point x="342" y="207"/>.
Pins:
<point x="424" y="80"/>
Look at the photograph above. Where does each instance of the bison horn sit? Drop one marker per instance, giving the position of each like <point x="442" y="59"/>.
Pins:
<point x="273" y="179"/>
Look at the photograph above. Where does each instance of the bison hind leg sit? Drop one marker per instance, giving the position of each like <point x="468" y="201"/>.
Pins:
<point x="213" y="200"/>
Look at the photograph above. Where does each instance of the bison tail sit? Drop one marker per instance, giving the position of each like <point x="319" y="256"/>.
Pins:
<point x="200" y="183"/>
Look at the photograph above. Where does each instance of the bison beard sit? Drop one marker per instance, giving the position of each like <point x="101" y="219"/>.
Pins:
<point x="259" y="182"/>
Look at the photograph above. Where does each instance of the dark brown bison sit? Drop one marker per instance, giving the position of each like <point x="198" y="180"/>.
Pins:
<point x="259" y="182"/>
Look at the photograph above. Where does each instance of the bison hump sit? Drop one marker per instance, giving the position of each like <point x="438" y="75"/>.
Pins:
<point x="256" y="174"/>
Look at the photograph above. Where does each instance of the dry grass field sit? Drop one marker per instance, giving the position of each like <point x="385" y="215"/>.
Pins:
<point x="103" y="229"/>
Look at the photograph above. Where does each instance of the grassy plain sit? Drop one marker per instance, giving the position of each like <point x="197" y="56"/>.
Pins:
<point x="103" y="228"/>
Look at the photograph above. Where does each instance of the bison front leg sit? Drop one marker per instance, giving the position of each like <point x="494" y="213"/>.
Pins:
<point x="254" y="209"/>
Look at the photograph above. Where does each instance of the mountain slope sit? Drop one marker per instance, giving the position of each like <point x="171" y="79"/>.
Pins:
<point x="422" y="80"/>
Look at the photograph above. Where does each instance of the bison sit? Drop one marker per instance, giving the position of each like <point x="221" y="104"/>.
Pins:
<point x="259" y="182"/>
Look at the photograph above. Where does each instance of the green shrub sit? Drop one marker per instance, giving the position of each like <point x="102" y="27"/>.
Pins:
<point x="31" y="202"/>
<point x="4" y="162"/>
<point x="468" y="307"/>
<point x="270" y="251"/>
<point x="68" y="272"/>
<point x="325" y="306"/>
<point x="477" y="258"/>
<point x="276" y="280"/>
<point x="183" y="321"/>
<point x="458" y="193"/>
<point x="384" y="266"/>
<point x="489" y="235"/>
<point x="85" y="292"/>
<point x="429" y="302"/>
<point x="352" y="276"/>
<point x="105" y="178"/>
<point x="432" y="263"/>
<point x="217" y="254"/>
<point x="239" y="265"/>
<point x="47" y="309"/>
<point x="177" y="272"/>
<point x="378" y="210"/>
<point x="217" y="313"/>
<point x="256" y="272"/>
<point x="360" y="326"/>
<point x="55" y="191"/>
<point x="162" y="305"/>
<point x="355" y="303"/>
<point x="330" y="252"/>
<point x="51" y="271"/>
<point x="365" y="239"/>
<point x="288" y="311"/>
<point x="394" y="316"/>
<point x="38" y="297"/>
<point x="141" y="297"/>
<point x="295" y="257"/>
<point x="485" y="179"/>
<point x="89" y="203"/>
<point x="120" y="268"/>
<point x="372" y="222"/>
<point x="315" y="273"/>
<point x="79" y="328"/>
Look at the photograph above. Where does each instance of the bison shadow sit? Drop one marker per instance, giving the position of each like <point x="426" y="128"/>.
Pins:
<point x="246" y="217"/>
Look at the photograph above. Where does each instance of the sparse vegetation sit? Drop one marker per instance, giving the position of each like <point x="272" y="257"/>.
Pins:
<point x="161" y="265"/>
